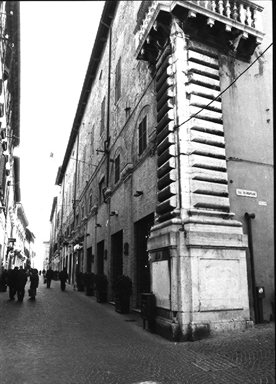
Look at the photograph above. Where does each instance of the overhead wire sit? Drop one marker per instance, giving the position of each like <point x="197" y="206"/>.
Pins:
<point x="203" y="108"/>
<point x="222" y="92"/>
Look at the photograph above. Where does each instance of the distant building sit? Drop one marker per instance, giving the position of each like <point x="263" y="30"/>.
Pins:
<point x="14" y="234"/>
<point x="54" y="254"/>
<point x="46" y="246"/>
<point x="9" y="123"/>
<point x="169" y="164"/>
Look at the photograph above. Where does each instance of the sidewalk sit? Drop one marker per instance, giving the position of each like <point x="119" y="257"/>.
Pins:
<point x="67" y="337"/>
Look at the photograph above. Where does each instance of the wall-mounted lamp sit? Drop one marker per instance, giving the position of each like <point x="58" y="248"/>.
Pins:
<point x="114" y="213"/>
<point x="138" y="193"/>
<point x="97" y="225"/>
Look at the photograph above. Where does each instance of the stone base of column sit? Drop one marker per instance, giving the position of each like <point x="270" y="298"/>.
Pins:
<point x="199" y="278"/>
<point x="174" y="331"/>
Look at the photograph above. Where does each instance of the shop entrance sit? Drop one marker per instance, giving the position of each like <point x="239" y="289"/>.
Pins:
<point x="89" y="259"/>
<point x="100" y="257"/>
<point x="117" y="253"/>
<point x="141" y="232"/>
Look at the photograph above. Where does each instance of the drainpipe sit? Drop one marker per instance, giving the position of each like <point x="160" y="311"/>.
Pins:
<point x="107" y="142"/>
<point x="76" y="176"/>
<point x="61" y="218"/>
<point x="108" y="110"/>
<point x="74" y="204"/>
<point x="249" y="217"/>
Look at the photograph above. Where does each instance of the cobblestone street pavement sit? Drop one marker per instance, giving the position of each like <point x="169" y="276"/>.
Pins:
<point x="67" y="337"/>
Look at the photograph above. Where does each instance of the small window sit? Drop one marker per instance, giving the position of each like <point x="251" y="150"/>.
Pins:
<point x="82" y="211"/>
<point x="142" y="135"/>
<point x="102" y="116"/>
<point x="118" y="81"/>
<point x="77" y="220"/>
<point x="117" y="169"/>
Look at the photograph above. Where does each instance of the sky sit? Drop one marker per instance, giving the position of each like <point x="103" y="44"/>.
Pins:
<point x="57" y="38"/>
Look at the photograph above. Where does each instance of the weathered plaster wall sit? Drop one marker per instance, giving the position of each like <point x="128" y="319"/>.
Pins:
<point x="247" y="113"/>
<point x="137" y="93"/>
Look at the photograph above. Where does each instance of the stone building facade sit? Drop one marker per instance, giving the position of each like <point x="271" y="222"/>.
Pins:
<point x="169" y="160"/>
<point x="11" y="219"/>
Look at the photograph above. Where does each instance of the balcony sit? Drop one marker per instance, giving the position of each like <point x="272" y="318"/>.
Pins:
<point x="233" y="25"/>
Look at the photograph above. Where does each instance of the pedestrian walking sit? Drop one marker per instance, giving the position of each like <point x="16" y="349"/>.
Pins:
<point x="12" y="276"/>
<point x="44" y="276"/>
<point x="63" y="276"/>
<point x="34" y="281"/>
<point x="21" y="281"/>
<point x="49" y="276"/>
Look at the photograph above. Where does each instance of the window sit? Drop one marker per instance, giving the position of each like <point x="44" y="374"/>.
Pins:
<point x="101" y="190"/>
<point x="118" y="81"/>
<point x="77" y="220"/>
<point x="102" y="116"/>
<point x="142" y="135"/>
<point x="117" y="168"/>
<point x="82" y="211"/>
<point x="90" y="202"/>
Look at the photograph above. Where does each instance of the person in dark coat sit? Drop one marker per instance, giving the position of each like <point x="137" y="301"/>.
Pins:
<point x="12" y="276"/>
<point x="49" y="276"/>
<point x="34" y="279"/>
<point x="63" y="276"/>
<point x="21" y="281"/>
<point x="4" y="280"/>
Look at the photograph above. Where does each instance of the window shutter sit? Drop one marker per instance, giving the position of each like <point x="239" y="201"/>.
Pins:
<point x="118" y="81"/>
<point x="142" y="131"/>
<point x="103" y="116"/>
<point x="117" y="168"/>
<point x="140" y="139"/>
<point x="1" y="109"/>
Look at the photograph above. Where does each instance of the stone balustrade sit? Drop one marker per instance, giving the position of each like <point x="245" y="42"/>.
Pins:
<point x="238" y="11"/>
<point x="237" y="17"/>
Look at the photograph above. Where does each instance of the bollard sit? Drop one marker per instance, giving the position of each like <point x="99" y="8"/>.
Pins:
<point x="260" y="296"/>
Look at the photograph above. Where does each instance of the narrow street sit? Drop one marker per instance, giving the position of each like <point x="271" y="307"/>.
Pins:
<point x="67" y="337"/>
